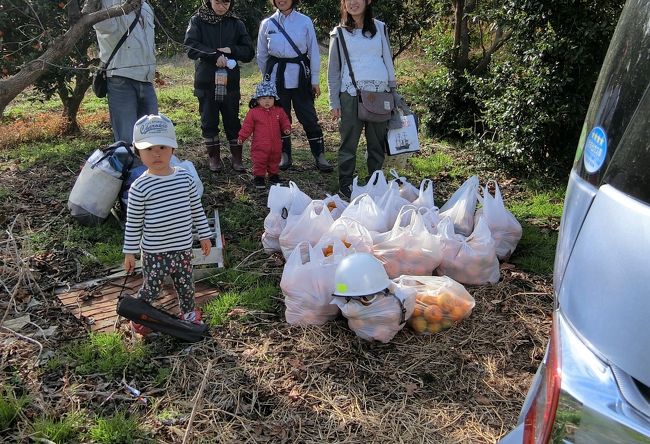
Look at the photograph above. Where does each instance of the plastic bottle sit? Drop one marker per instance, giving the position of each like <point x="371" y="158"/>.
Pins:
<point x="220" y="84"/>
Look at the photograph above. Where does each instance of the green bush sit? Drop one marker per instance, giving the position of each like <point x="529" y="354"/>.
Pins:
<point x="449" y="103"/>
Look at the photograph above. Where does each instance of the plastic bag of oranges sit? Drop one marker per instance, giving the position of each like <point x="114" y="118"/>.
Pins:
<point x="461" y="206"/>
<point x="375" y="187"/>
<point x="506" y="230"/>
<point x="409" y="248"/>
<point x="335" y="204"/>
<point x="282" y="202"/>
<point x="470" y="260"/>
<point x="353" y="235"/>
<point x="391" y="203"/>
<point x="308" y="283"/>
<point x="406" y="189"/>
<point x="314" y="221"/>
<point x="439" y="302"/>
<point x="367" y="212"/>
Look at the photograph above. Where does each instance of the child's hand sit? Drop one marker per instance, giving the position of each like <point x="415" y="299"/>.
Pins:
<point x="206" y="245"/>
<point x="240" y="142"/>
<point x="129" y="263"/>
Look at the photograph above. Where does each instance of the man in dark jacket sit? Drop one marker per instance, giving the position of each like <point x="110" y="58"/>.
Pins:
<point x="216" y="39"/>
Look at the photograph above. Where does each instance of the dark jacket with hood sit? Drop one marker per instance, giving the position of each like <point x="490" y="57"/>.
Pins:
<point x="202" y="39"/>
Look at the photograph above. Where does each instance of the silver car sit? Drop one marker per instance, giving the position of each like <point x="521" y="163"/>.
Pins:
<point x="593" y="385"/>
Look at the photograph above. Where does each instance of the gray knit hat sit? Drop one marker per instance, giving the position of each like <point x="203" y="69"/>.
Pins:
<point x="266" y="89"/>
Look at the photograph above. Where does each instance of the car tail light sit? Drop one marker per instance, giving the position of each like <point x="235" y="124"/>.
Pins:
<point x="538" y="421"/>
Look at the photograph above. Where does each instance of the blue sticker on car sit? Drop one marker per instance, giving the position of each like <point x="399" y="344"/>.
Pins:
<point x="595" y="149"/>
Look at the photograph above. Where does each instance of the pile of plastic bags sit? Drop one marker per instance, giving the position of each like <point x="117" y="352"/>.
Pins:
<point x="400" y="225"/>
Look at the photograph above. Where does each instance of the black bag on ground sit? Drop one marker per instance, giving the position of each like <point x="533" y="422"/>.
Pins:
<point x="143" y="313"/>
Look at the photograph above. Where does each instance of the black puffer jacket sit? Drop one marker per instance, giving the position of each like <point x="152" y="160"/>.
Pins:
<point x="202" y="40"/>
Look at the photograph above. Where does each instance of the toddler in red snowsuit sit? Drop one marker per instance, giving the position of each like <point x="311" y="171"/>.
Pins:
<point x="267" y="122"/>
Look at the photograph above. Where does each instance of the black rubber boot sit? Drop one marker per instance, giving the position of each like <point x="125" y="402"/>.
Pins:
<point x="214" y="154"/>
<point x="317" y="147"/>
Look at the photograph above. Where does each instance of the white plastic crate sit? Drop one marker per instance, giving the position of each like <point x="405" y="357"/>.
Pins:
<point x="215" y="258"/>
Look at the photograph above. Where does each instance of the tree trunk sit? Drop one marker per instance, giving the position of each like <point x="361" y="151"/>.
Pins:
<point x="458" y="23"/>
<point x="499" y="40"/>
<point x="57" y="49"/>
<point x="72" y="102"/>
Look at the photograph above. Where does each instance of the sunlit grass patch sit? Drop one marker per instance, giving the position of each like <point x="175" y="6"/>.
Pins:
<point x="54" y="152"/>
<point x="116" y="429"/>
<point x="106" y="353"/>
<point x="245" y="290"/>
<point x="60" y="430"/>
<point x="539" y="206"/>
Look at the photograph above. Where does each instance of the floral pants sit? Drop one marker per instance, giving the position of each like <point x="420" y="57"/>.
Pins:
<point x="176" y="264"/>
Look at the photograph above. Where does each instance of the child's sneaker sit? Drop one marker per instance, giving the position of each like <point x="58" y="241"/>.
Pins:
<point x="140" y="329"/>
<point x="259" y="182"/>
<point x="193" y="316"/>
<point x="274" y="179"/>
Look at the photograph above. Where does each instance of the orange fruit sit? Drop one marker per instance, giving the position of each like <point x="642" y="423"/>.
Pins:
<point x="327" y="251"/>
<point x="418" y="311"/>
<point x="426" y="298"/>
<point x="347" y="244"/>
<point x="445" y="299"/>
<point x="433" y="314"/>
<point x="419" y="324"/>
<point x="331" y="206"/>
<point x="458" y="313"/>
<point x="434" y="327"/>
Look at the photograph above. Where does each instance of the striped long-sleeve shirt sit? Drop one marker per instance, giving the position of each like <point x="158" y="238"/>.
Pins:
<point x="161" y="212"/>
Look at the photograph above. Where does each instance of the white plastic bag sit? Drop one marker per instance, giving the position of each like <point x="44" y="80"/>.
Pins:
<point x="309" y="226"/>
<point x="406" y="189"/>
<point x="364" y="209"/>
<point x="282" y="202"/>
<point x="308" y="283"/>
<point x="505" y="229"/>
<point x="378" y="317"/>
<point x="189" y="166"/>
<point x="375" y="188"/>
<point x="430" y="217"/>
<point x="440" y="301"/>
<point x="336" y="205"/>
<point x="391" y="203"/>
<point x="461" y="206"/>
<point x="470" y="260"/>
<point x="425" y="195"/>
<point x="352" y="233"/>
<point x="409" y="248"/>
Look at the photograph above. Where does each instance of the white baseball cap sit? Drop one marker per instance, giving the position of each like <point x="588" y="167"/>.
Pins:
<point x="154" y="129"/>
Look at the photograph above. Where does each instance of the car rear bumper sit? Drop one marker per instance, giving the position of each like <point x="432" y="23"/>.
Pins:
<point x="591" y="407"/>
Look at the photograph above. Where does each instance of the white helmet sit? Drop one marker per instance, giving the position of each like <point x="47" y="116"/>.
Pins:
<point x="358" y="275"/>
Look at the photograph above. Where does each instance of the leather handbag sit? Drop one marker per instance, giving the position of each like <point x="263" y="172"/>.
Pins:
<point x="373" y="106"/>
<point x="100" y="79"/>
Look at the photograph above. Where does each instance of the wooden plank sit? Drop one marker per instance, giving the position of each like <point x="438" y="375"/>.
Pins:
<point x="102" y="305"/>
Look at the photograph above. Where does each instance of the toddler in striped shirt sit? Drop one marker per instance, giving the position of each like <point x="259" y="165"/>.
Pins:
<point x="163" y="207"/>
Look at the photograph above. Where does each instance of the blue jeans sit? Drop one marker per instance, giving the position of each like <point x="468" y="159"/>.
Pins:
<point x="128" y="100"/>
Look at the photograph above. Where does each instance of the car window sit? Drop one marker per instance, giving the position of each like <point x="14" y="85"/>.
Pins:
<point x="615" y="141"/>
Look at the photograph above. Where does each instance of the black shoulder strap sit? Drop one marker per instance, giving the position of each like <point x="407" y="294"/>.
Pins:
<point x="284" y="33"/>
<point x="124" y="37"/>
<point x="347" y="57"/>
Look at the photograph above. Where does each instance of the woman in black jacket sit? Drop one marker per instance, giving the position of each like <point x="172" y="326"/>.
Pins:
<point x="215" y="39"/>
